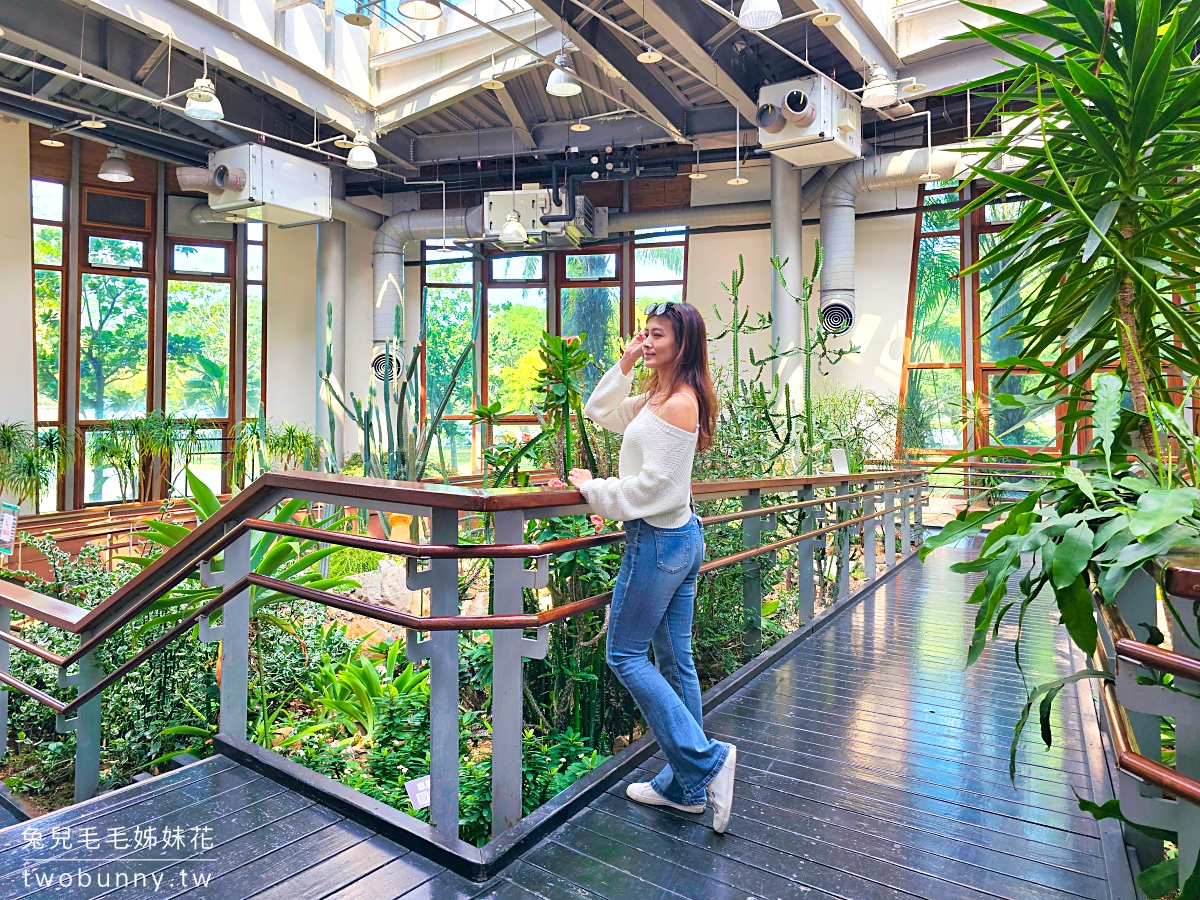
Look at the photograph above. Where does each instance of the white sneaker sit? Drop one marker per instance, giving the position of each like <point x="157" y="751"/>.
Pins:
<point x="644" y="792"/>
<point x="720" y="792"/>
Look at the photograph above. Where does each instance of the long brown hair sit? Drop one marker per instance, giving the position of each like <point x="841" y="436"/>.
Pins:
<point x="691" y="368"/>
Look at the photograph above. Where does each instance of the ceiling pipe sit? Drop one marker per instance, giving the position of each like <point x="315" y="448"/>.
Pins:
<point x="838" y="199"/>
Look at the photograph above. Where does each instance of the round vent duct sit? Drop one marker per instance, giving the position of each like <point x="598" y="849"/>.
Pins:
<point x="380" y="367"/>
<point x="837" y="317"/>
<point x="798" y="109"/>
<point x="769" y="118"/>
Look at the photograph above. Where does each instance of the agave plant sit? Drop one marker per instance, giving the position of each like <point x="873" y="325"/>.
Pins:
<point x="276" y="556"/>
<point x="1102" y="128"/>
<point x="350" y="688"/>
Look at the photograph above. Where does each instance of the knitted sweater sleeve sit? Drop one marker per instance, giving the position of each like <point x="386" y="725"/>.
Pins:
<point x="663" y="484"/>
<point x="610" y="405"/>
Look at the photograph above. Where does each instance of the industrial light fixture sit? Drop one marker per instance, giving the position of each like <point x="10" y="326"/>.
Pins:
<point x="826" y="19"/>
<point x="361" y="155"/>
<point x="360" y="16"/>
<point x="93" y="123"/>
<point x="421" y="10"/>
<point x="202" y="103"/>
<point x="696" y="174"/>
<point x="913" y="87"/>
<point x="758" y="15"/>
<point x="51" y="141"/>
<point x="114" y="168"/>
<point x="737" y="180"/>
<point x="580" y="125"/>
<point x="649" y="55"/>
<point x="345" y="142"/>
<point x="562" y="82"/>
<point x="512" y="231"/>
<point x="492" y="83"/>
<point x="880" y="91"/>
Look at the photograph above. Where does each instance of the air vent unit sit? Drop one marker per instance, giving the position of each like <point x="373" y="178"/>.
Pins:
<point x="810" y="121"/>
<point x="270" y="185"/>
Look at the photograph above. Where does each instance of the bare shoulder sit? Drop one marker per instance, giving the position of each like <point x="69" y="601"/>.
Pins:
<point x="680" y="410"/>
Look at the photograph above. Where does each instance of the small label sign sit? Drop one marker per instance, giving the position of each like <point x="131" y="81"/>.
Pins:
<point x="8" y="528"/>
<point x="418" y="792"/>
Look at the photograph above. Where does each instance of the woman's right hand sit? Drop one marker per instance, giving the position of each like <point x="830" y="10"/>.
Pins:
<point x="633" y="352"/>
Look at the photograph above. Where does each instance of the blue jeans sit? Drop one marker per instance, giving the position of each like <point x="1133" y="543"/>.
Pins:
<point x="652" y="604"/>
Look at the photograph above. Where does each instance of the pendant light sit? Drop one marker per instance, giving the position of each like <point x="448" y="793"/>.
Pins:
<point x="114" y="168"/>
<point x="580" y="125"/>
<point x="93" y="123"/>
<point x="512" y="231"/>
<point x="880" y="91"/>
<point x="492" y="83"/>
<point x="561" y="82"/>
<point x="202" y="103"/>
<point x="360" y="17"/>
<point x="345" y="142"/>
<point x="361" y="155"/>
<point x="51" y="141"/>
<point x="826" y="19"/>
<point x="649" y="56"/>
<point x="757" y="15"/>
<point x="421" y="10"/>
<point x="737" y="180"/>
<point x="696" y="174"/>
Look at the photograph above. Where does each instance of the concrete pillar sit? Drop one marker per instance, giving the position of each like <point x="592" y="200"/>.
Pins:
<point x="331" y="331"/>
<point x="786" y="243"/>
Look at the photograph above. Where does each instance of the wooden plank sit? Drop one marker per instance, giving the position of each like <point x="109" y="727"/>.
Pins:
<point x="606" y="878"/>
<point x="542" y="883"/>
<point x="272" y="866"/>
<point x="451" y="886"/>
<point x="393" y="880"/>
<point x="336" y="872"/>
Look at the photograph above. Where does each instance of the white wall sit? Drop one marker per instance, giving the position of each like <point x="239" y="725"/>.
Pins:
<point x="291" y="324"/>
<point x="16" y="274"/>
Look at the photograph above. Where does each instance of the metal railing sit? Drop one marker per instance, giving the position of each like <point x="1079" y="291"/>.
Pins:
<point x="886" y="503"/>
<point x="1137" y="698"/>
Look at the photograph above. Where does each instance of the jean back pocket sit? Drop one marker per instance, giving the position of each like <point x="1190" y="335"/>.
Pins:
<point x="674" y="550"/>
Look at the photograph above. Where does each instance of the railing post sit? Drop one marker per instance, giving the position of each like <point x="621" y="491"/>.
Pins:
<point x="869" y="527"/>
<point x="86" y="725"/>
<point x="905" y="517"/>
<point x="752" y="579"/>
<point x="234" y="635"/>
<point x="441" y="649"/>
<point x="917" y="516"/>
<point x="508" y="647"/>
<point x="806" y="591"/>
<point x="5" y="622"/>
<point x="889" y="522"/>
<point x="1186" y="709"/>
<point x="1137" y="602"/>
<point x="841" y="540"/>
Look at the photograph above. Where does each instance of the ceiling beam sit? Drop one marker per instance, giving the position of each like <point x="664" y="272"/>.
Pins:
<point x="856" y="36"/>
<point x="686" y="25"/>
<point x="53" y="85"/>
<point x="524" y="135"/>
<point x="609" y="51"/>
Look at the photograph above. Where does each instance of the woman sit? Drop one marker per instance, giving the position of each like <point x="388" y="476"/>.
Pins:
<point x="656" y="585"/>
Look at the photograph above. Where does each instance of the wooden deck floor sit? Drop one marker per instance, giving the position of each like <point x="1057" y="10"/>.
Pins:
<point x="871" y="765"/>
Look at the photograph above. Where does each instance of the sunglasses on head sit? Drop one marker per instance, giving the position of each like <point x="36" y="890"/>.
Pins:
<point x="659" y="309"/>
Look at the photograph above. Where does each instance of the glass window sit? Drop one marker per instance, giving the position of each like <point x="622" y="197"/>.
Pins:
<point x="47" y="245"/>
<point x="591" y="266"/>
<point x="595" y="314"/>
<point x="999" y="305"/>
<point x="1009" y="425"/>
<point x="940" y="220"/>
<point x="119" y="253"/>
<point x="198" y="348"/>
<point x="47" y="288"/>
<point x="516" y="321"/>
<point x="452" y="453"/>
<point x="254" y="262"/>
<point x="448" y="314"/>
<point x="48" y="199"/>
<point x="254" y="349"/>
<point x="1004" y="211"/>
<point x="201" y="454"/>
<point x="47" y="500"/>
<point x="206" y="260"/>
<point x="448" y="264"/>
<point x="667" y="234"/>
<point x="937" y="307"/>
<point x="255" y="231"/>
<point x="528" y="267"/>
<point x="933" y="410"/>
<point x="114" y="323"/>
<point x="109" y="476"/>
<point x="658" y="263"/>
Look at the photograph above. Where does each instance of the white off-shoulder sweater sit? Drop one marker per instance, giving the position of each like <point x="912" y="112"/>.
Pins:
<point x="655" y="469"/>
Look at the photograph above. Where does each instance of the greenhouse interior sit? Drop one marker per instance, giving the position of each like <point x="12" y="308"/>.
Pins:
<point x="600" y="449"/>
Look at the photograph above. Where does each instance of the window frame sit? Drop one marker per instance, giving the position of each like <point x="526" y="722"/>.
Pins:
<point x="62" y="269"/>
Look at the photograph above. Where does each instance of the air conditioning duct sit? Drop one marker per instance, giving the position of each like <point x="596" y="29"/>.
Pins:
<point x="798" y="110"/>
<point x="769" y="118"/>
<point x="820" y="122"/>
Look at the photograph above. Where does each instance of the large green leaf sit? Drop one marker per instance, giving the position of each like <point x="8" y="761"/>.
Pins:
<point x="1156" y="509"/>
<point x="1075" y="604"/>
<point x="1106" y="412"/>
<point x="204" y="501"/>
<point x="1072" y="556"/>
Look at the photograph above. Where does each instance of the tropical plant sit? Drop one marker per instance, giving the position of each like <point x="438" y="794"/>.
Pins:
<point x="1102" y="127"/>
<point x="30" y="459"/>
<point x="564" y="363"/>
<point x="353" y="687"/>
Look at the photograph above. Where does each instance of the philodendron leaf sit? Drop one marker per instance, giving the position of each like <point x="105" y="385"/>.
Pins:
<point x="1075" y="604"/>
<point x="1160" y="879"/>
<point x="1079" y="478"/>
<point x="1158" y="508"/>
<point x="1106" y="412"/>
<point x="1072" y="555"/>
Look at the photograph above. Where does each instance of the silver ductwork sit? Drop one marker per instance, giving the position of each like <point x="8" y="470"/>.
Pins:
<point x="838" y="200"/>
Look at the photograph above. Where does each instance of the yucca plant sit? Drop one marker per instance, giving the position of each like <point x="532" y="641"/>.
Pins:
<point x="1102" y="126"/>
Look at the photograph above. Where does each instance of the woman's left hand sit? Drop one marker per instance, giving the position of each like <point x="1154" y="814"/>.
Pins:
<point x="579" y="477"/>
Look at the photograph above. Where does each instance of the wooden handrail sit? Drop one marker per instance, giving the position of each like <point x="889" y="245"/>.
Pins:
<point x="1130" y="648"/>
<point x="29" y="647"/>
<point x="33" y="693"/>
